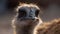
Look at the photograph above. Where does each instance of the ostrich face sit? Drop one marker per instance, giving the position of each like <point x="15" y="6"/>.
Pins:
<point x="28" y="12"/>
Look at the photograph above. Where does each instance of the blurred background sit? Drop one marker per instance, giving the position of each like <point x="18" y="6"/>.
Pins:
<point x="50" y="9"/>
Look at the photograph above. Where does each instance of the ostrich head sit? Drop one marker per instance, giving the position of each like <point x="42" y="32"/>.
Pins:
<point x="27" y="14"/>
<point x="26" y="19"/>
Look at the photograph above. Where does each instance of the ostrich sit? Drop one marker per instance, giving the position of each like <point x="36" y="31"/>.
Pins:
<point x="51" y="27"/>
<point x="27" y="17"/>
<point x="27" y="21"/>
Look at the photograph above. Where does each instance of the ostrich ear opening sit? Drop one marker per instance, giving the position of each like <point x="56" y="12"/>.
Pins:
<point x="37" y="13"/>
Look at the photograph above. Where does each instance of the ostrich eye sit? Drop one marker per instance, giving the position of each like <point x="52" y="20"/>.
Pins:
<point x="22" y="13"/>
<point x="36" y="13"/>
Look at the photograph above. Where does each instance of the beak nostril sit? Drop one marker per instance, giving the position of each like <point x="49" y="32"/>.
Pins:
<point x="30" y="16"/>
<point x="33" y="19"/>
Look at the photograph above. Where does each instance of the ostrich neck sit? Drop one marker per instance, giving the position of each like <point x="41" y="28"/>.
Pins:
<point x="26" y="29"/>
